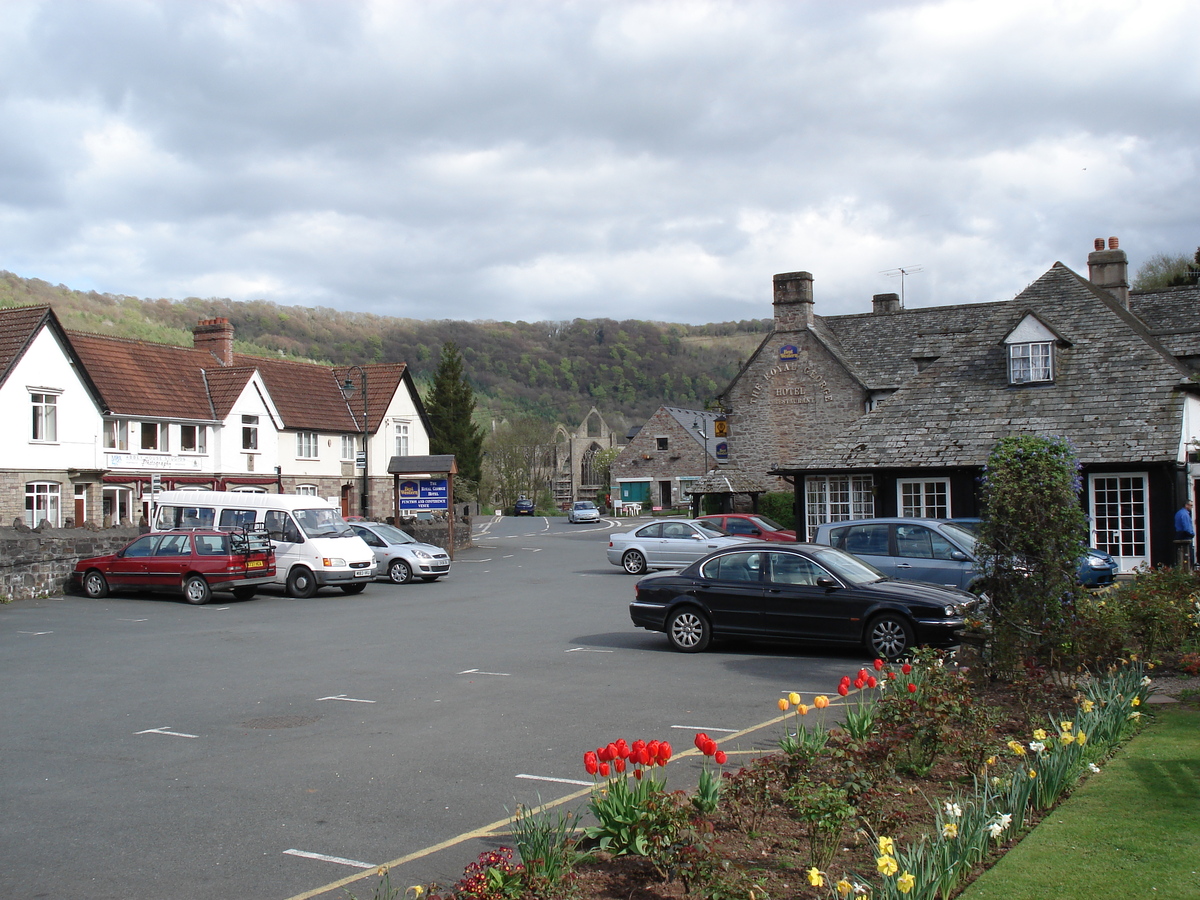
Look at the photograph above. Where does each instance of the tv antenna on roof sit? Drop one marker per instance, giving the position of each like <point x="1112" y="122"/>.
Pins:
<point x="902" y="271"/>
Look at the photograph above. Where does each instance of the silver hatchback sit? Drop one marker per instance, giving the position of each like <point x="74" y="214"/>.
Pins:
<point x="400" y="556"/>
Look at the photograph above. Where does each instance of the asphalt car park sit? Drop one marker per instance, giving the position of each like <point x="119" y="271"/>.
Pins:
<point x="275" y="748"/>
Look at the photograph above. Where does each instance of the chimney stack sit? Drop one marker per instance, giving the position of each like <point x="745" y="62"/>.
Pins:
<point x="885" y="304"/>
<point x="1109" y="269"/>
<point x="215" y="336"/>
<point x="793" y="301"/>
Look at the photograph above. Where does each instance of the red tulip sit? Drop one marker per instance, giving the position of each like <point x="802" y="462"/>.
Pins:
<point x="720" y="757"/>
<point x="871" y="682"/>
<point x="862" y="673"/>
<point x="878" y="664"/>
<point x="604" y="770"/>
<point x="608" y="753"/>
<point x="906" y="668"/>
<point x="664" y="753"/>
<point x="590" y="762"/>
<point x="912" y="688"/>
<point x="700" y="741"/>
<point x="637" y="773"/>
<point x="843" y="690"/>
<point x="891" y="676"/>
<point x="619" y="765"/>
<point x="845" y="679"/>
<point x="858" y="683"/>
<point x="652" y="749"/>
<point x="643" y="757"/>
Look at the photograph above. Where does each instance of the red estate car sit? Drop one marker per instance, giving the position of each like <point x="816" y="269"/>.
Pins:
<point x="194" y="562"/>
<point x="752" y="525"/>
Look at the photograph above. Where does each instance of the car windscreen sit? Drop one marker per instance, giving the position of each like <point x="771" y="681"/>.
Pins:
<point x="393" y="535"/>
<point x="711" y="528"/>
<point x="767" y="524"/>
<point x="322" y="523"/>
<point x="847" y="567"/>
<point x="962" y="536"/>
<point x="585" y="504"/>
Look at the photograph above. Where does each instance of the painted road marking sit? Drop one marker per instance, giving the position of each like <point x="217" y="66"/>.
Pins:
<point x="164" y="730"/>
<point x="533" y="549"/>
<point x="704" y="728"/>
<point x="340" y="860"/>
<point x="477" y="672"/>
<point x="587" y="650"/>
<point x="35" y="633"/>
<point x="133" y="620"/>
<point x="344" y="697"/>
<point x="555" y="780"/>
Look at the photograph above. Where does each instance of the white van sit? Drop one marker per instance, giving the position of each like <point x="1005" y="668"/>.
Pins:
<point x="314" y="547"/>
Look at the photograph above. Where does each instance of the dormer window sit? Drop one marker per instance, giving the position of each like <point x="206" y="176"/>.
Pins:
<point x="1031" y="362"/>
<point x="1030" y="348"/>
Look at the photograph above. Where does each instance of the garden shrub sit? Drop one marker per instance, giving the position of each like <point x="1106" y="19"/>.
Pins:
<point x="1160" y="607"/>
<point x="780" y="506"/>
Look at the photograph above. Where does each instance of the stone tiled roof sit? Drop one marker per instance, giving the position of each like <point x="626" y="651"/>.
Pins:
<point x="1172" y="315"/>
<point x="18" y="325"/>
<point x="726" y="480"/>
<point x="1115" y="393"/>
<point x="686" y="417"/>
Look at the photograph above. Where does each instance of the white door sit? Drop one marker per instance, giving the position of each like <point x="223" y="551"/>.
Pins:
<point x="1120" y="517"/>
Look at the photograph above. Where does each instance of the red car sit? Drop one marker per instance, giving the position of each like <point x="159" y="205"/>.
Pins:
<point x="194" y="562"/>
<point x="753" y="525"/>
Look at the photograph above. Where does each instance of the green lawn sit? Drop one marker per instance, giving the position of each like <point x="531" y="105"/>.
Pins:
<point x="1133" y="830"/>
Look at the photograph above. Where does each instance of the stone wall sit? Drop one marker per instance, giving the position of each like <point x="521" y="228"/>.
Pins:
<point x="437" y="531"/>
<point x="39" y="563"/>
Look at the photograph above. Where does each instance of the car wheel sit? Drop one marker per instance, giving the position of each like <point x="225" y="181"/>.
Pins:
<point x="889" y="636"/>
<point x="95" y="585"/>
<point x="399" y="571"/>
<point x="353" y="588"/>
<point x="245" y="592"/>
<point x="688" y="630"/>
<point x="633" y="562"/>
<point x="196" y="590"/>
<point x="301" y="583"/>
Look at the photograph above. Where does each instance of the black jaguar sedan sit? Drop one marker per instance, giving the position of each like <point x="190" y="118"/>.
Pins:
<point x="796" y="592"/>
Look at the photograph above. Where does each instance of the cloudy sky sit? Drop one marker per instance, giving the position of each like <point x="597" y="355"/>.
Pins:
<point x="550" y="160"/>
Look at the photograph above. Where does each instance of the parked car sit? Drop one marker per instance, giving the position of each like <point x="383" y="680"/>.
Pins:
<point x="752" y="525"/>
<point x="523" y="507"/>
<point x="400" y="556"/>
<point x="667" y="543"/>
<point x="1096" y="567"/>
<point x="583" y="511"/>
<point x="929" y="550"/>
<point x="799" y="592"/>
<point x="194" y="562"/>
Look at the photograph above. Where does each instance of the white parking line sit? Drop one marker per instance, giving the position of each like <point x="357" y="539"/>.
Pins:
<point x="477" y="672"/>
<point x="344" y="697"/>
<point x="163" y="730"/>
<point x="556" y="780"/>
<point x="703" y="728"/>
<point x="533" y="549"/>
<point x="35" y="633"/>
<point x="340" y="860"/>
<point x="133" y="620"/>
<point x="587" y="650"/>
<point x="217" y="608"/>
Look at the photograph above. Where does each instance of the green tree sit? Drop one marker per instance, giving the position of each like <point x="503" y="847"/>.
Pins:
<point x="520" y="460"/>
<point x="1167" y="270"/>
<point x="451" y="409"/>
<point x="1030" y="542"/>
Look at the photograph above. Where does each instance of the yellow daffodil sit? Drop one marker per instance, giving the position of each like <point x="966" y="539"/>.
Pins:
<point x="1066" y="726"/>
<point x="1136" y="701"/>
<point x="1081" y="738"/>
<point x="1032" y="773"/>
<point x="991" y="761"/>
<point x="821" y="701"/>
<point x="887" y="865"/>
<point x="844" y="888"/>
<point x="886" y="846"/>
<point x="1066" y="738"/>
<point x="417" y="890"/>
<point x="1087" y="706"/>
<point x="783" y="704"/>
<point x="794" y="698"/>
<point x="906" y="882"/>
<point x="1016" y="748"/>
<point x="815" y="878"/>
<point x="1039" y="734"/>
<point x="950" y="830"/>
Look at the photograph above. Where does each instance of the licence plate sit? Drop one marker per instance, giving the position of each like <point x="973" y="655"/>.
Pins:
<point x="255" y="564"/>
<point x="362" y="573"/>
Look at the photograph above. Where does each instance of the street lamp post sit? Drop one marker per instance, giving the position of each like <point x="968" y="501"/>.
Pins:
<point x="348" y="392"/>
<point x="698" y="426"/>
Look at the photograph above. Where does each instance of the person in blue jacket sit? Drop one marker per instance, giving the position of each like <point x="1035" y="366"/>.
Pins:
<point x="1185" y="530"/>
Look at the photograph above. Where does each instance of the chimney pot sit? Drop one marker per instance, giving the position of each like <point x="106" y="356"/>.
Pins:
<point x="885" y="304"/>
<point x="216" y="336"/>
<point x="1113" y="243"/>
<point x="1109" y="269"/>
<point x="1098" y="244"/>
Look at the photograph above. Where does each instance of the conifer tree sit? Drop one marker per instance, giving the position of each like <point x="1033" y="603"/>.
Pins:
<point x="451" y="409"/>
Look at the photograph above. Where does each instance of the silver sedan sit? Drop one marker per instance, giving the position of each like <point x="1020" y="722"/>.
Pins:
<point x="667" y="544"/>
<point x="400" y="556"/>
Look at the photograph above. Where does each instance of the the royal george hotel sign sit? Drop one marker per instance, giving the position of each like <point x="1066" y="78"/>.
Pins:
<point x="425" y="493"/>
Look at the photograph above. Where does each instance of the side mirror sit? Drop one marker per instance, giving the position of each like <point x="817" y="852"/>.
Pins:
<point x="826" y="582"/>
<point x="959" y="556"/>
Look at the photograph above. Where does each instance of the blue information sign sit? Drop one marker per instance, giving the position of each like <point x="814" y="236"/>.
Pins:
<point x="426" y="493"/>
<point x="722" y="450"/>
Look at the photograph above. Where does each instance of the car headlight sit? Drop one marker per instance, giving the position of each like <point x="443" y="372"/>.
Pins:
<point x="333" y="562"/>
<point x="1097" y="563"/>
<point x="421" y="554"/>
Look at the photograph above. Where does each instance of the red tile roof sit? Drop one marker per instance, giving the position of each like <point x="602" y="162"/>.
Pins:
<point x="18" y="325"/>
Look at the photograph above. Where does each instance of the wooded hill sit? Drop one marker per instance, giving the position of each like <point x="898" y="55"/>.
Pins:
<point x="553" y="370"/>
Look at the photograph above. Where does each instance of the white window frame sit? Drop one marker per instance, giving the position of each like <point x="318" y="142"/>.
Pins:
<point x="199" y="438"/>
<point x="349" y="447"/>
<point x="306" y="490"/>
<point x="250" y="434"/>
<point x="43" y="501"/>
<point x="837" y="498"/>
<point x="1120" y="521"/>
<point x="923" y="498"/>
<point x="1031" y="362"/>
<point x="44" y="407"/>
<point x="116" y="434"/>
<point x="307" y="445"/>
<point x="162" y="434"/>
<point x="400" y="431"/>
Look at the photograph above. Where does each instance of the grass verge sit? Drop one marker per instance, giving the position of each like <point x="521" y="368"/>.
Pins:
<point x="1130" y="830"/>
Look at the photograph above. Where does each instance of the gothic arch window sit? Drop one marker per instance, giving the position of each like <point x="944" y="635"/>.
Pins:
<point x="588" y="473"/>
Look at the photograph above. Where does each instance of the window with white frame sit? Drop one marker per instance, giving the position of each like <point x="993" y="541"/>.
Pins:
<point x="249" y="432"/>
<point x="401" y="438"/>
<point x="116" y="435"/>
<point x="155" y="436"/>
<point x="924" y="498"/>
<point x="349" y="447"/>
<point x="193" y="438"/>
<point x="837" y="498"/>
<point x="45" y="416"/>
<point x="306" y="490"/>
<point x="1030" y="362"/>
<point x="43" y="503"/>
<point x="306" y="444"/>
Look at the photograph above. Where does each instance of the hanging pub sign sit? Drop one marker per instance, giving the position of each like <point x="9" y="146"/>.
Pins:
<point x="426" y="493"/>
<point x="789" y="351"/>
<point x="722" y="451"/>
